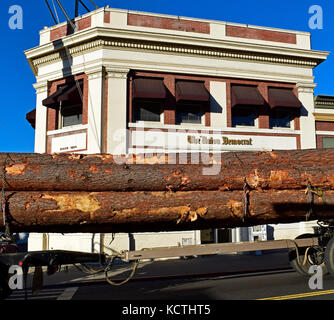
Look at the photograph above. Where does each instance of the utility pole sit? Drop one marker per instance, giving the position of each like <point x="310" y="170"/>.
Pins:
<point x="76" y="8"/>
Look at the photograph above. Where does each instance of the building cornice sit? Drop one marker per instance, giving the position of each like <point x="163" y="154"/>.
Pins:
<point x="324" y="117"/>
<point x="96" y="38"/>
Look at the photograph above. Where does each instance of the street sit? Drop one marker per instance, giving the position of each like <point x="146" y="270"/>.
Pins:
<point x="159" y="281"/>
<point x="284" y="285"/>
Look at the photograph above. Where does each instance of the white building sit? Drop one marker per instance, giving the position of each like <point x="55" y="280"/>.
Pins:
<point x="134" y="82"/>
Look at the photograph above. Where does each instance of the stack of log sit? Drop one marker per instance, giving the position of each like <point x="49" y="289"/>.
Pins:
<point x="105" y="193"/>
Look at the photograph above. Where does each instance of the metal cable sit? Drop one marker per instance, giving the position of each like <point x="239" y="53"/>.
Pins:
<point x="54" y="19"/>
<point x="113" y="283"/>
<point x="94" y="4"/>
<point x="54" y="7"/>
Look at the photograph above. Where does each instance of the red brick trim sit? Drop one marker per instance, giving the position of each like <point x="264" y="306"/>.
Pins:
<point x="207" y="107"/>
<point x="84" y="23"/>
<point x="60" y="32"/>
<point x="107" y="17"/>
<point x="66" y="30"/>
<point x="324" y="126"/>
<point x="228" y="105"/>
<point x="266" y="35"/>
<point x="170" y="104"/>
<point x="105" y="116"/>
<point x="140" y="20"/>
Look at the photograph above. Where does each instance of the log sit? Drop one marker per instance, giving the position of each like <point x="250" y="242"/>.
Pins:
<point x="280" y="170"/>
<point x="160" y="211"/>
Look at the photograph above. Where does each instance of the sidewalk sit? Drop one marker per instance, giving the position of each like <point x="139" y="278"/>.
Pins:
<point x="227" y="264"/>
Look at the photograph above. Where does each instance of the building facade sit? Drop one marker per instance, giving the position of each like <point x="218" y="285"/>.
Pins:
<point x="128" y="82"/>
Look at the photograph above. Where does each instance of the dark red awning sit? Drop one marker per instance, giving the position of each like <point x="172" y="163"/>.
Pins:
<point x="246" y="96"/>
<point x="31" y="117"/>
<point x="149" y="88"/>
<point x="191" y="91"/>
<point x="67" y="92"/>
<point x="283" y="98"/>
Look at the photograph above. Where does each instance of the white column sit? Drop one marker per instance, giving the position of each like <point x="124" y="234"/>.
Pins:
<point x="35" y="240"/>
<point x="218" y="104"/>
<point x="95" y="103"/>
<point x="307" y="122"/>
<point x="117" y="111"/>
<point x="41" y="117"/>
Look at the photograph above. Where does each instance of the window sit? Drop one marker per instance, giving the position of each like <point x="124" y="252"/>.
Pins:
<point x="327" y="143"/>
<point x="70" y="104"/>
<point x="70" y="115"/>
<point x="147" y="111"/>
<point x="243" y="116"/>
<point x="189" y="114"/>
<point x="280" y="119"/>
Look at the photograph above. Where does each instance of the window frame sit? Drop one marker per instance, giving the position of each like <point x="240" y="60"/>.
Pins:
<point x="61" y="116"/>
<point x="251" y="109"/>
<point x="289" y="113"/>
<point x="188" y="104"/>
<point x="136" y="104"/>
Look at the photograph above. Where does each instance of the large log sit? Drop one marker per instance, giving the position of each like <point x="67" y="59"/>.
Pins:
<point x="279" y="170"/>
<point x="160" y="211"/>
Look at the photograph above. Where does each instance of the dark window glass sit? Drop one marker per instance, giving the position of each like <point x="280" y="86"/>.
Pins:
<point x="243" y="117"/>
<point x="189" y="114"/>
<point x="71" y="115"/>
<point x="280" y="119"/>
<point x="148" y="112"/>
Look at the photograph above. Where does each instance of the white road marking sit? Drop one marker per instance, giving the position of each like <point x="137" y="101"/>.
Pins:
<point x="43" y="294"/>
<point x="68" y="293"/>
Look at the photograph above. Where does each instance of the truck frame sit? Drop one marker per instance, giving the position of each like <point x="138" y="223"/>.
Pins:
<point x="304" y="251"/>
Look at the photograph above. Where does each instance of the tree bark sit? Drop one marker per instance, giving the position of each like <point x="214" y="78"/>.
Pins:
<point x="280" y="170"/>
<point x="160" y="211"/>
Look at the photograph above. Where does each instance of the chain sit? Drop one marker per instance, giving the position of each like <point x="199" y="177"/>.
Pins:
<point x="4" y="202"/>
<point x="245" y="200"/>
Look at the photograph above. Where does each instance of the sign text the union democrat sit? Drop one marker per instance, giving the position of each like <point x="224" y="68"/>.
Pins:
<point x="223" y="141"/>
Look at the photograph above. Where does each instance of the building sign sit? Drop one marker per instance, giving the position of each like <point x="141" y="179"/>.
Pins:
<point x="69" y="143"/>
<point x="180" y="141"/>
<point x="223" y="141"/>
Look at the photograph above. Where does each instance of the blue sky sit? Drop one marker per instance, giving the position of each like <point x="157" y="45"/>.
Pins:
<point x="18" y="94"/>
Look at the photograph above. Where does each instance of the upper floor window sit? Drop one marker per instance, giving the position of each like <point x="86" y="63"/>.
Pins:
<point x="284" y="107"/>
<point x="246" y="105"/>
<point x="148" y="97"/>
<point x="70" y="115"/>
<point x="243" y="117"/>
<point x="147" y="111"/>
<point x="187" y="113"/>
<point x="67" y="100"/>
<point x="70" y="105"/>
<point x="280" y="119"/>
<point x="192" y="100"/>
